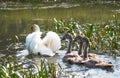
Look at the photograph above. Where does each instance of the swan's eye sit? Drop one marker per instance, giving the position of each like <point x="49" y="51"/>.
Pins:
<point x="33" y="29"/>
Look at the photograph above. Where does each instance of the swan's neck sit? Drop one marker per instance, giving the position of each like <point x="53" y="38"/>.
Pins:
<point x="79" y="38"/>
<point x="69" y="45"/>
<point x="80" y="48"/>
<point x="80" y="45"/>
<point x="85" y="55"/>
<point x="69" y="37"/>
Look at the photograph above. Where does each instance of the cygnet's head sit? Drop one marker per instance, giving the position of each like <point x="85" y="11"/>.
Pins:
<point x="35" y="27"/>
<point x="67" y="36"/>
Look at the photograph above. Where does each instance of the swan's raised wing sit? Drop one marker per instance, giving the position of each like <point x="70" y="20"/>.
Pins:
<point x="52" y="41"/>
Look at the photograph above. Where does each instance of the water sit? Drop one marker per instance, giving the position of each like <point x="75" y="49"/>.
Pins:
<point x="77" y="71"/>
<point x="16" y="19"/>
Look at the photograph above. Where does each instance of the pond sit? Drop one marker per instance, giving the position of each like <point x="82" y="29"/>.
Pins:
<point x="16" y="20"/>
<point x="78" y="71"/>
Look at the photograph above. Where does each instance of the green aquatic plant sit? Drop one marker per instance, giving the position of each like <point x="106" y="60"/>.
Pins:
<point x="67" y="26"/>
<point x="104" y="38"/>
<point x="11" y="68"/>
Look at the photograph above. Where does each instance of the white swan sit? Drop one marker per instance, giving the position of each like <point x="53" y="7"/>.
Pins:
<point x="46" y="46"/>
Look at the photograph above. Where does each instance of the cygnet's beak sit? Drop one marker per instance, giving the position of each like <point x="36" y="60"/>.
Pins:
<point x="63" y="38"/>
<point x="75" y="40"/>
<point x="78" y="38"/>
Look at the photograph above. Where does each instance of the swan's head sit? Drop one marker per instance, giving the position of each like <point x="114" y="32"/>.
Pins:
<point x="78" y="37"/>
<point x="35" y="28"/>
<point x="86" y="40"/>
<point x="67" y="36"/>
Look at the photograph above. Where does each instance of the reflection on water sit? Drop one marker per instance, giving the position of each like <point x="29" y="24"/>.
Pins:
<point x="77" y="71"/>
<point x="21" y="16"/>
<point x="74" y="71"/>
<point x="69" y="71"/>
<point x="16" y="20"/>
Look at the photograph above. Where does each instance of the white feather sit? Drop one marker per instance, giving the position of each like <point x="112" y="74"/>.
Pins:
<point x="46" y="46"/>
<point x="23" y="53"/>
